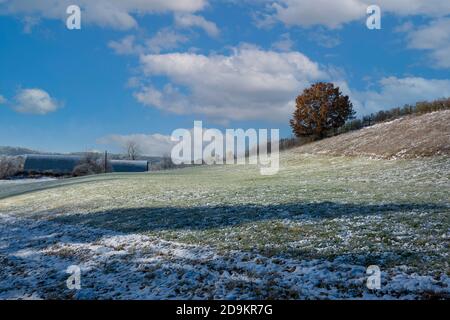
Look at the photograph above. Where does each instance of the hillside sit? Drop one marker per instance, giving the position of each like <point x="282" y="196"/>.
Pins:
<point x="15" y="151"/>
<point x="206" y="232"/>
<point x="408" y="137"/>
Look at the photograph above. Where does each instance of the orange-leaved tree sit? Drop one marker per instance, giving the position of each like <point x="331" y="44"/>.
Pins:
<point x="320" y="108"/>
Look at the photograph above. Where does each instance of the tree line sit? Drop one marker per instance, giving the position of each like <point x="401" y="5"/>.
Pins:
<point x="322" y="111"/>
<point x="419" y="108"/>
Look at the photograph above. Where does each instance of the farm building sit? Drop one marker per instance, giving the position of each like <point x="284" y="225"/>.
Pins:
<point x="64" y="164"/>
<point x="129" y="166"/>
<point x="57" y="164"/>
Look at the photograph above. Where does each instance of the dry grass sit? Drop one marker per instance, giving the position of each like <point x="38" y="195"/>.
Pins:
<point x="408" y="137"/>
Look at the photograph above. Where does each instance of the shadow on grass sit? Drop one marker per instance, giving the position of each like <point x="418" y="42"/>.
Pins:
<point x="147" y="219"/>
<point x="23" y="235"/>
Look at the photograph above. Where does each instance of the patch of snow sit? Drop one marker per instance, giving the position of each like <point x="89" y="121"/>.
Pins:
<point x="35" y="254"/>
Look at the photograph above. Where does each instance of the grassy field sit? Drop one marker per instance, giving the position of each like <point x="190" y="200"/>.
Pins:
<point x="227" y="232"/>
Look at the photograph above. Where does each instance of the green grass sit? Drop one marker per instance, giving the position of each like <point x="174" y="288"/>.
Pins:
<point x="364" y="210"/>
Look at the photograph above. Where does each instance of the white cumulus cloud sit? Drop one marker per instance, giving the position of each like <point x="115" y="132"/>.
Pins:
<point x="164" y="39"/>
<point x="187" y="20"/>
<point x="320" y="12"/>
<point x="34" y="101"/>
<point x="250" y="83"/>
<point x="333" y="14"/>
<point x="117" y="14"/>
<point x="434" y="38"/>
<point x="396" y="92"/>
<point x="149" y="144"/>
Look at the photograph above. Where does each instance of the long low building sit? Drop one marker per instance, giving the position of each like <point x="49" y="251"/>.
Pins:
<point x="129" y="165"/>
<point x="62" y="164"/>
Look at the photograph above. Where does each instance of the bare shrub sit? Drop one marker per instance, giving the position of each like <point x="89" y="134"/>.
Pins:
<point x="133" y="149"/>
<point x="10" y="166"/>
<point x="166" y="163"/>
<point x="419" y="108"/>
<point x="90" y="164"/>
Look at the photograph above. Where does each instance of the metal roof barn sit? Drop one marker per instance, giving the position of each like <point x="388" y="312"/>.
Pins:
<point x="129" y="166"/>
<point x="62" y="164"/>
<point x="59" y="164"/>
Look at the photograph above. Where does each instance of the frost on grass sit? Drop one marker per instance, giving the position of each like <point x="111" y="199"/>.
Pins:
<point x="227" y="232"/>
<point x="35" y="255"/>
<point x="396" y="139"/>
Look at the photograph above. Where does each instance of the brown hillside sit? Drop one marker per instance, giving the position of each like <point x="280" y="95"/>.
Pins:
<point x="408" y="137"/>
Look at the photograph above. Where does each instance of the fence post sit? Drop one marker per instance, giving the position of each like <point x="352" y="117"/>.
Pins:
<point x="106" y="161"/>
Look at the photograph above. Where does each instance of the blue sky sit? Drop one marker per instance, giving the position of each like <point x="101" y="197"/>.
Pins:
<point x="140" y="69"/>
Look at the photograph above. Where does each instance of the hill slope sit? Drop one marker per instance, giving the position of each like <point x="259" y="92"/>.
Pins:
<point x="408" y="137"/>
<point x="15" y="151"/>
<point x="207" y="232"/>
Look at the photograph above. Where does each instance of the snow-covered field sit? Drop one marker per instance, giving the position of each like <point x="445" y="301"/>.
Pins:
<point x="227" y="232"/>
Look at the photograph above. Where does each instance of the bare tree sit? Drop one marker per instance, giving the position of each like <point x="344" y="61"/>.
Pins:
<point x="90" y="164"/>
<point x="133" y="150"/>
<point x="10" y="166"/>
<point x="166" y="163"/>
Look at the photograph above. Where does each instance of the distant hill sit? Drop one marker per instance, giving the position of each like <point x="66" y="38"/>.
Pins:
<point x="16" y="151"/>
<point x="407" y="137"/>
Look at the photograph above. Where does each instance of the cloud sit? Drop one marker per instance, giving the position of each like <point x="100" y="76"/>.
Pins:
<point x="165" y="39"/>
<point x="285" y="43"/>
<point x="34" y="101"/>
<point x="333" y="14"/>
<point x="404" y="27"/>
<point x="186" y="20"/>
<point x="396" y="92"/>
<point x="116" y="14"/>
<point x="250" y="83"/>
<point x="435" y="38"/>
<point x="29" y="23"/>
<point x="126" y="46"/>
<point x="2" y="99"/>
<point x="429" y="8"/>
<point x="168" y="99"/>
<point x="320" y="12"/>
<point x="158" y="145"/>
<point x="324" y="39"/>
<point x="149" y="144"/>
